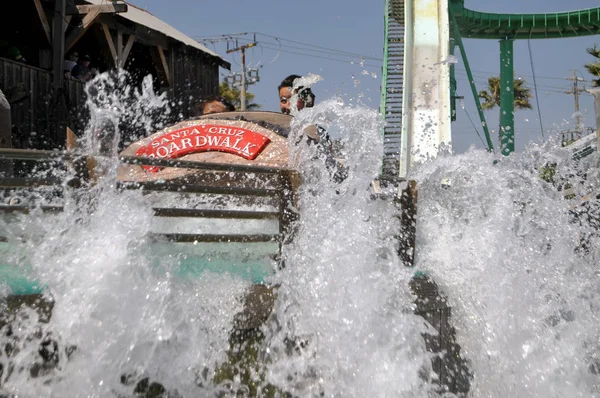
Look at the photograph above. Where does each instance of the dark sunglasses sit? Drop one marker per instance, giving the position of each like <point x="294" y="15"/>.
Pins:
<point x="305" y="94"/>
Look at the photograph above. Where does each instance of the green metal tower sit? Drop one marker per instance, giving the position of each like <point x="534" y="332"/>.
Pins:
<point x="391" y="90"/>
<point x="467" y="24"/>
<point x="506" y="28"/>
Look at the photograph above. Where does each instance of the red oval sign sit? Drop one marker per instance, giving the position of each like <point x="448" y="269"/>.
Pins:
<point x="203" y="138"/>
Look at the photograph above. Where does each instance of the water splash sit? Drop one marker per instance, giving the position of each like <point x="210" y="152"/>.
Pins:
<point x="518" y="268"/>
<point x="344" y="304"/>
<point x="508" y="252"/>
<point x="117" y="317"/>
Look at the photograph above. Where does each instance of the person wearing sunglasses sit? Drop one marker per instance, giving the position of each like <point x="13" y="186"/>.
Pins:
<point x="211" y="105"/>
<point x="315" y="134"/>
<point x="306" y="98"/>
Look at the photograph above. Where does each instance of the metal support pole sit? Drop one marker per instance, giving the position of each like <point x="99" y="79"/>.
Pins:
<point x="243" y="91"/>
<point x="384" y="71"/>
<point x="452" y="84"/>
<point x="507" y="98"/>
<point x="596" y="93"/>
<point x="578" y="126"/>
<point x="463" y="54"/>
<point x="576" y="91"/>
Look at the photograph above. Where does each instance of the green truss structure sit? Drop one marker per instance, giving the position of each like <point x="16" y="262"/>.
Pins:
<point x="392" y="83"/>
<point x="469" y="24"/>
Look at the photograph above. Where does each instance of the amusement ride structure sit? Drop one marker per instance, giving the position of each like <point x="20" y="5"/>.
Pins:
<point x="419" y="102"/>
<point x="221" y="192"/>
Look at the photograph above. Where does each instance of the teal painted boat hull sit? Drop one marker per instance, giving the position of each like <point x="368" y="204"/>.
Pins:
<point x="254" y="263"/>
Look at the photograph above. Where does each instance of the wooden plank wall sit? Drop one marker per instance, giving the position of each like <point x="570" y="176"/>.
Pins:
<point x="36" y="118"/>
<point x="45" y="114"/>
<point x="195" y="75"/>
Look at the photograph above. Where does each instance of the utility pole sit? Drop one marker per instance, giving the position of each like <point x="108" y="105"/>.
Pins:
<point x="575" y="91"/>
<point x="595" y="91"/>
<point x="243" y="90"/>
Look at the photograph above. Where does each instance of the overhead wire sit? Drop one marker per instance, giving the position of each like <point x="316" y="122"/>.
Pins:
<point x="547" y="89"/>
<point x="542" y="87"/>
<point x="312" y="48"/>
<point x="488" y="73"/>
<point x="268" y="46"/>
<point x="302" y="51"/>
<point x="323" y="48"/>
<point x="276" y="55"/>
<point x="321" y="57"/>
<point x="474" y="127"/>
<point x="306" y="49"/>
<point x="535" y="88"/>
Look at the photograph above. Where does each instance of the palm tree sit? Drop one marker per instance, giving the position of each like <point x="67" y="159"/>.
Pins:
<point x="491" y="96"/>
<point x="594" y="67"/>
<point x="232" y="94"/>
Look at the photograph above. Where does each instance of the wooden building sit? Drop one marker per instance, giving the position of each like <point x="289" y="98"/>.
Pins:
<point x="34" y="46"/>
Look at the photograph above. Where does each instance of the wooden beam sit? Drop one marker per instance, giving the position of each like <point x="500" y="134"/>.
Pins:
<point x="58" y="43"/>
<point x="142" y="35"/>
<point x="84" y="166"/>
<point x="111" y="44"/>
<point x="97" y="9"/>
<point x="76" y="34"/>
<point x="127" y="48"/>
<point x="43" y="20"/>
<point x="72" y="141"/>
<point x="120" y="48"/>
<point x="68" y="21"/>
<point x="165" y="65"/>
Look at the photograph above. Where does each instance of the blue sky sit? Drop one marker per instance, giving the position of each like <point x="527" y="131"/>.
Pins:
<point x="331" y="27"/>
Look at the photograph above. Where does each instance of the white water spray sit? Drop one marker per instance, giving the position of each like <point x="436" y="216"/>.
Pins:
<point x="499" y="241"/>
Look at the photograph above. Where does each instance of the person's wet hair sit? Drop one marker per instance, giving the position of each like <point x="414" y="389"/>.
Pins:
<point x="198" y="108"/>
<point x="304" y="93"/>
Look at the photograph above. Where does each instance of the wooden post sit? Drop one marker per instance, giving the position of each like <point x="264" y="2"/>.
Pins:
<point x="5" y="133"/>
<point x="408" y="219"/>
<point x="165" y="65"/>
<point x="84" y="166"/>
<point x="120" y="62"/>
<point x="42" y="15"/>
<point x="126" y="50"/>
<point x="58" y="43"/>
<point x="111" y="44"/>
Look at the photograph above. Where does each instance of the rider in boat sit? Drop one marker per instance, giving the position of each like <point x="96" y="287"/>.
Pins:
<point x="213" y="104"/>
<point x="306" y="99"/>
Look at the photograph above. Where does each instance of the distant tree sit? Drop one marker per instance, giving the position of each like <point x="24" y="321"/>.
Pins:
<point x="491" y="96"/>
<point x="594" y="67"/>
<point x="232" y="94"/>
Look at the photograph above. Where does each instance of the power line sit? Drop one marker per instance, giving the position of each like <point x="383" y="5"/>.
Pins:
<point x="323" y="48"/>
<point x="480" y="78"/>
<point x="341" y="54"/>
<point x="314" y="55"/>
<point x="535" y="88"/>
<point x="488" y="73"/>
<point x="301" y="46"/>
<point x="548" y="89"/>
<point x="473" y="124"/>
